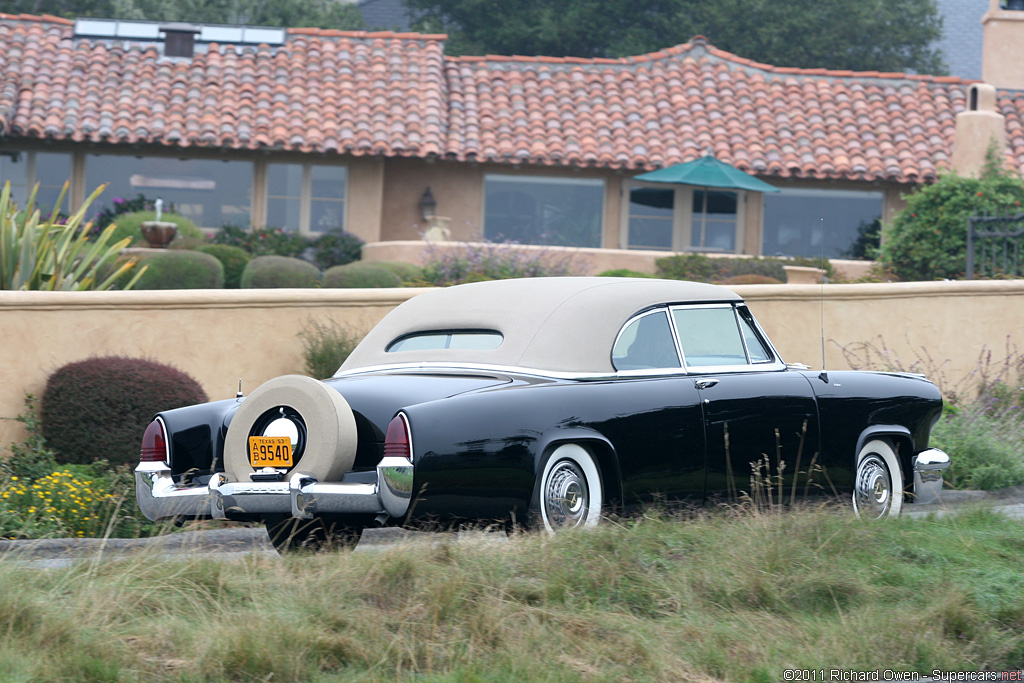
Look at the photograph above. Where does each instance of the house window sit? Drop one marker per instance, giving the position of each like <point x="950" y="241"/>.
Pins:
<point x="543" y="210"/>
<point x="210" y="193"/>
<point x="808" y="222"/>
<point x="49" y="169"/>
<point x="682" y="218"/>
<point x="309" y="198"/>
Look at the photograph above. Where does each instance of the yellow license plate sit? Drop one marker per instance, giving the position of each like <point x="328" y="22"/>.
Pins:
<point x="270" y="451"/>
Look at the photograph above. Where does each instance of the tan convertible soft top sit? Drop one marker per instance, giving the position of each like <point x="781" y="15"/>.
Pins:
<point x="561" y="324"/>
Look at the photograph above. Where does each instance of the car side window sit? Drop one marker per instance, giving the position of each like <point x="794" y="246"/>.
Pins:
<point x="709" y="336"/>
<point x="756" y="349"/>
<point x="646" y="343"/>
<point x="468" y="340"/>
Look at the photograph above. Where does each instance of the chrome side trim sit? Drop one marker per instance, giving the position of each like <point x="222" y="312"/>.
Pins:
<point x="434" y="367"/>
<point x="928" y="466"/>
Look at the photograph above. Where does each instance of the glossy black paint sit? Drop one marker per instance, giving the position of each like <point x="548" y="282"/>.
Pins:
<point x="480" y="439"/>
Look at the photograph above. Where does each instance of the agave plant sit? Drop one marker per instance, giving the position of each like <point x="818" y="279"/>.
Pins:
<point x="49" y="255"/>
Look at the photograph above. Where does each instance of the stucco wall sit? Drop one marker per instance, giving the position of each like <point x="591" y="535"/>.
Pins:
<point x="219" y="336"/>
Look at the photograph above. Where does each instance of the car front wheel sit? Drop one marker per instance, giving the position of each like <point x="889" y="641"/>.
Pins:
<point x="570" y="493"/>
<point x="878" y="486"/>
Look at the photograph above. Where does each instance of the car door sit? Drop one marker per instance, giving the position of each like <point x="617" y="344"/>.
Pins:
<point x="760" y="419"/>
<point x="658" y="424"/>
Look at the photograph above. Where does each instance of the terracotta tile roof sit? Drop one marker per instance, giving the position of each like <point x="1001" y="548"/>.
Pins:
<point x="670" y="106"/>
<point x="397" y="94"/>
<point x="324" y="91"/>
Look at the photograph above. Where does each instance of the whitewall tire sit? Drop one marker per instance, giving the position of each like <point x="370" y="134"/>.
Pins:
<point x="571" y="494"/>
<point x="878" y="483"/>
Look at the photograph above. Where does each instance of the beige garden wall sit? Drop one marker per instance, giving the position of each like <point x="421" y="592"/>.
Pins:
<point x="221" y="336"/>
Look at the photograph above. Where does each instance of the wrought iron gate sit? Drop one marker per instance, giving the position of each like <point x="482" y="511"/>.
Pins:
<point x="994" y="246"/>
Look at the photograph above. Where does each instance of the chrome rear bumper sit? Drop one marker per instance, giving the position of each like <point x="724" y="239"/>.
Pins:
<point x="299" y="496"/>
<point x="928" y="466"/>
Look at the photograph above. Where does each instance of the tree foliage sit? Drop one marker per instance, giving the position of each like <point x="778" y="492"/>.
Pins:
<point x="289" y="13"/>
<point x="882" y="35"/>
<point x="928" y="239"/>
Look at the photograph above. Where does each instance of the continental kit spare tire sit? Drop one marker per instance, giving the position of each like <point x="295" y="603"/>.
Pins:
<point x="327" y="441"/>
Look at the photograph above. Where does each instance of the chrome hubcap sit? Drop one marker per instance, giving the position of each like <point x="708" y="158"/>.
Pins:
<point x="873" y="493"/>
<point x="565" y="496"/>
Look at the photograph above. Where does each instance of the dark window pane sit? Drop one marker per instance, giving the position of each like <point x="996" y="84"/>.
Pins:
<point x="556" y="211"/>
<point x="208" y="192"/>
<point x="16" y="171"/>
<point x="328" y="182"/>
<point x="646" y="343"/>
<point x="52" y="171"/>
<point x="326" y="215"/>
<point x="651" y="217"/>
<point x="284" y="196"/>
<point x="799" y="222"/>
<point x="714" y="220"/>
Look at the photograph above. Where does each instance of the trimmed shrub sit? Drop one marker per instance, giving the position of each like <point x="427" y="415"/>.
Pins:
<point x="360" y="274"/>
<point x="696" y="267"/>
<point x="751" y="279"/>
<point x="98" y="408"/>
<point x="271" y="272"/>
<point x="700" y="268"/>
<point x="234" y="260"/>
<point x="130" y="225"/>
<point x="336" y="248"/>
<point x="180" y="269"/>
<point x="407" y="272"/>
<point x="623" y="272"/>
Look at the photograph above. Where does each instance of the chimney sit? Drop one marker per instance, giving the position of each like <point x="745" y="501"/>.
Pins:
<point x="976" y="128"/>
<point x="180" y="39"/>
<point x="1002" y="51"/>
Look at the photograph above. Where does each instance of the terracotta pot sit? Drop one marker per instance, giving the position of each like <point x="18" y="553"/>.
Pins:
<point x="159" y="233"/>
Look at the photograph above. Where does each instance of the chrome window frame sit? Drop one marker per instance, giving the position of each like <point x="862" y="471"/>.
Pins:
<point x="675" y="341"/>
<point x="774" y="364"/>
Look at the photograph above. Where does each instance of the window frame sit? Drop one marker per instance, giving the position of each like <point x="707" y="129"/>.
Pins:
<point x="540" y="180"/>
<point x="740" y="313"/>
<point x="683" y="218"/>
<point x="305" y="197"/>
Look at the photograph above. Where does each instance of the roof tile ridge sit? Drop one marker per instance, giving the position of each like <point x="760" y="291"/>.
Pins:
<point x="39" y="18"/>
<point x="337" y="33"/>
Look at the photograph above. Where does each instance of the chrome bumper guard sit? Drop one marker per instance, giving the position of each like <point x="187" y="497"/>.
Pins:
<point x="928" y="466"/>
<point x="300" y="495"/>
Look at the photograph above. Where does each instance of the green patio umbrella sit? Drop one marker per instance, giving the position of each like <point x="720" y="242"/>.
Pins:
<point x="709" y="173"/>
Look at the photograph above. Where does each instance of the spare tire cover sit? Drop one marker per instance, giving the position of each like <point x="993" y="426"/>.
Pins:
<point x="330" y="427"/>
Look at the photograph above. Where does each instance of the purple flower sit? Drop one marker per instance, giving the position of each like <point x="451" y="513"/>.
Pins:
<point x="118" y="200"/>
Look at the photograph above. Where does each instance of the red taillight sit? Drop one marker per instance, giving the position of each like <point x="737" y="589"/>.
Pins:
<point x="154" y="443"/>
<point x="398" y="440"/>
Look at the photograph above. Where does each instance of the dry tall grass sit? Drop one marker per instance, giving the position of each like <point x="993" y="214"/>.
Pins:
<point x="725" y="597"/>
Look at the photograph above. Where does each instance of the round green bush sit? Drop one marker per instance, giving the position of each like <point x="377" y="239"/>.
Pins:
<point x="623" y="272"/>
<point x="407" y="272"/>
<point x="234" y="260"/>
<point x="270" y="272"/>
<point x="98" y="408"/>
<point x="751" y="279"/>
<point x="360" y="275"/>
<point x="179" y="269"/>
<point x="130" y="225"/>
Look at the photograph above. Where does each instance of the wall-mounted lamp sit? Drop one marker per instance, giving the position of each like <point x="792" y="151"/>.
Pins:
<point x="428" y="205"/>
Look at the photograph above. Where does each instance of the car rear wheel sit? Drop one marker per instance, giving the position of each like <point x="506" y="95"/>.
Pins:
<point x="315" y="534"/>
<point x="570" y="494"/>
<point x="878" y="486"/>
<point x="317" y="417"/>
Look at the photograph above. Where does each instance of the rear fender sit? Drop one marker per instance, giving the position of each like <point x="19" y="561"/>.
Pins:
<point x="598" y="446"/>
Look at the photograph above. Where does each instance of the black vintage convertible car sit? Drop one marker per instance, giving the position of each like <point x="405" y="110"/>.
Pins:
<point x="542" y="402"/>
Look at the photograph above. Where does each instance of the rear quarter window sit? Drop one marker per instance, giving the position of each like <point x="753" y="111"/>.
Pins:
<point x="469" y="340"/>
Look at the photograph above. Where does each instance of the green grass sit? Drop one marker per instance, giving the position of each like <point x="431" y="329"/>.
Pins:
<point x="723" y="597"/>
